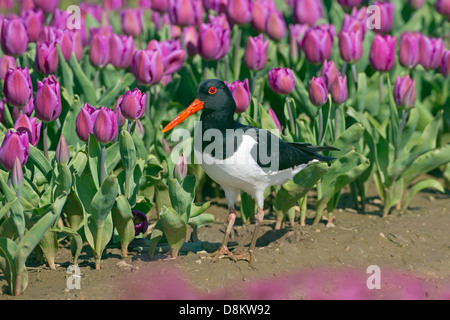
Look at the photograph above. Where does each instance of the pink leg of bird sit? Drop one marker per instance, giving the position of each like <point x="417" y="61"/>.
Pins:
<point x="223" y="250"/>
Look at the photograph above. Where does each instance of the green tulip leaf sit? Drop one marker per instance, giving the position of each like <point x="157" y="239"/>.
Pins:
<point x="174" y="229"/>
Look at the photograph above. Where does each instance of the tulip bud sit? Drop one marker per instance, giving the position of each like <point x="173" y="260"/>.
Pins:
<point x="47" y="103"/>
<point x="26" y="4"/>
<point x="6" y="62"/>
<point x="281" y="80"/>
<point x="140" y="222"/>
<point x="180" y="169"/>
<point x="120" y="118"/>
<point x="77" y="40"/>
<point x="255" y="54"/>
<point x="405" y="91"/>
<point x="329" y="73"/>
<point x="181" y="12"/>
<point x="260" y="12"/>
<point x="171" y="53"/>
<point x="307" y="11"/>
<point x="239" y="11"/>
<point x="296" y="33"/>
<point x="241" y="94"/>
<point x="139" y="129"/>
<point x="408" y="54"/>
<point x="339" y="91"/>
<point x="46" y="61"/>
<point x="62" y="151"/>
<point x="317" y="45"/>
<point x="356" y="21"/>
<point x="430" y="52"/>
<point x="147" y="66"/>
<point x="386" y="10"/>
<point x="105" y="126"/>
<point x="131" y="22"/>
<point x="382" y="52"/>
<point x="17" y="87"/>
<point x="274" y="118"/>
<point x="214" y="41"/>
<point x="350" y="46"/>
<point x="121" y="50"/>
<point x="31" y="126"/>
<point x="64" y="40"/>
<point x="14" y="145"/>
<point x="48" y="6"/>
<point x="443" y="7"/>
<point x="276" y="26"/>
<point x="17" y="175"/>
<point x="160" y="6"/>
<point x="132" y="106"/>
<point x="349" y="3"/>
<point x="218" y="6"/>
<point x="112" y="4"/>
<point x="14" y="37"/>
<point x="190" y="39"/>
<point x="6" y="4"/>
<point x="445" y="65"/>
<point x="84" y="124"/>
<point x="59" y="19"/>
<point x="318" y="93"/>
<point x="26" y="109"/>
<point x="34" y="21"/>
<point x="99" y="50"/>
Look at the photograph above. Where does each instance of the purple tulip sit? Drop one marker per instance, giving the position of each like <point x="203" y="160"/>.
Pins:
<point x="349" y="3"/>
<point x="121" y="50"/>
<point x="147" y="66"/>
<point x="17" y="175"/>
<point x="239" y="11"/>
<point x="180" y="169"/>
<point x="131" y="22"/>
<point x="408" y="54"/>
<point x="94" y="10"/>
<point x="171" y="53"/>
<point x="34" y="21"/>
<point x="274" y="118"/>
<point x="443" y="7"/>
<point x="405" y="91"/>
<point x="276" y="26"/>
<point x="281" y="80"/>
<point x="219" y="6"/>
<point x="260" y="13"/>
<point x="357" y="20"/>
<point x="296" y="33"/>
<point x="105" y="126"/>
<point x="221" y="20"/>
<point x="84" y="124"/>
<point x="62" y="154"/>
<point x="386" y="16"/>
<point x="214" y="41"/>
<point x="416" y="4"/>
<point x="64" y="40"/>
<point x="339" y="91"/>
<point x="47" y="103"/>
<point x="445" y="64"/>
<point x="112" y="4"/>
<point x="350" y="46"/>
<point x="14" y="37"/>
<point x="99" y="50"/>
<point x="140" y="222"/>
<point x="17" y="87"/>
<point x="382" y="52"/>
<point x="46" y="61"/>
<point x="132" y="106"/>
<point x="182" y="12"/>
<point x="317" y="45"/>
<point x="160" y="6"/>
<point x="48" y="6"/>
<point x="255" y="53"/>
<point x="120" y="118"/>
<point x="6" y="4"/>
<point x="77" y="40"/>
<point x="430" y="52"/>
<point x="6" y="62"/>
<point x="307" y="11"/>
<point x="190" y="39"/>
<point x="59" y="19"/>
<point x="329" y="73"/>
<point x="26" y="109"/>
<point x="26" y="4"/>
<point x="241" y="94"/>
<point x="318" y="93"/>
<point x="31" y="126"/>
<point x="14" y="145"/>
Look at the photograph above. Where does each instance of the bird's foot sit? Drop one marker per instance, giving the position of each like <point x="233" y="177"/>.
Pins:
<point x="222" y="253"/>
<point x="247" y="256"/>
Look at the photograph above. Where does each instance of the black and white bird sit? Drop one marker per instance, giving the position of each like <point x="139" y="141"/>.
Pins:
<point x="241" y="157"/>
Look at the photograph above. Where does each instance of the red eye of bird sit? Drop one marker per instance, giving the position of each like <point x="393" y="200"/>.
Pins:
<point x="212" y="90"/>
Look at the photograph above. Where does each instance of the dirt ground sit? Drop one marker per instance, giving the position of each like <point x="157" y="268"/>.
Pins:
<point x="411" y="249"/>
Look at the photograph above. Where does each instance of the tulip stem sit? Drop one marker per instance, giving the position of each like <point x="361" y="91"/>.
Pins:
<point x="45" y="138"/>
<point x="96" y="78"/>
<point x="129" y="126"/>
<point x="127" y="184"/>
<point x="291" y="117"/>
<point x="402" y="124"/>
<point x="355" y="74"/>
<point x="320" y="126"/>
<point x="147" y="104"/>
<point x="336" y="122"/>
<point x="380" y="87"/>
<point x="344" y="68"/>
<point x="237" y="45"/>
<point x="252" y="73"/>
<point x="102" y="164"/>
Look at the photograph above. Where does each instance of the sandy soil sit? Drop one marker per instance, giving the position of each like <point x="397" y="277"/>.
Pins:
<point x="412" y="250"/>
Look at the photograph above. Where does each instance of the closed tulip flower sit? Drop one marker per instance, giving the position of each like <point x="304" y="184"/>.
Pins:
<point x="239" y="11"/>
<point x="274" y="117"/>
<point x="307" y="11"/>
<point x="255" y="53"/>
<point x="105" y="126"/>
<point x="296" y="33"/>
<point x="182" y="12"/>
<point x="329" y="73"/>
<point x="31" y="126"/>
<point x="190" y="39"/>
<point x="219" y="6"/>
<point x="353" y="22"/>
<point x="14" y="37"/>
<point x="408" y="54"/>
<point x="405" y="91"/>
<point x="17" y="87"/>
<point x="46" y="61"/>
<point x="17" y="175"/>
<point x="47" y="103"/>
<point x="281" y="80"/>
<point x="62" y="154"/>
<point x="147" y="66"/>
<point x="131" y="22"/>
<point x="386" y="16"/>
<point x="121" y="50"/>
<point x="180" y="169"/>
<point x="430" y="52"/>
<point x="318" y="93"/>
<point x="120" y="118"/>
<point x="276" y="26"/>
<point x="171" y="53"/>
<point x="317" y="45"/>
<point x="241" y="94"/>
<point x="339" y="91"/>
<point x="64" y="40"/>
<point x="445" y="64"/>
<point x="443" y="7"/>
<point x="99" y="50"/>
<point x="84" y="124"/>
<point x="48" y="6"/>
<point x="26" y="109"/>
<point x="382" y="52"/>
<point x="15" y="145"/>
<point x="34" y="21"/>
<point x="26" y="4"/>
<point x="214" y="41"/>
<point x="349" y="3"/>
<point x="350" y="46"/>
<point x="160" y="6"/>
<point x="6" y="62"/>
<point x="260" y="13"/>
<point x="132" y="106"/>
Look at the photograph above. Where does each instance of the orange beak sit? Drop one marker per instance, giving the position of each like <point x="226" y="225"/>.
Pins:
<point x="193" y="108"/>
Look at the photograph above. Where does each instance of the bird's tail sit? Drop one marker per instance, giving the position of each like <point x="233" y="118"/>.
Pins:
<point x="314" y="150"/>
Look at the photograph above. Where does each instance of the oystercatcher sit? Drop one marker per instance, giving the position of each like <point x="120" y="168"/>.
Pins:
<point x="241" y="157"/>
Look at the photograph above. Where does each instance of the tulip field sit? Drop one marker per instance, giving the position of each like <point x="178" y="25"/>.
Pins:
<point x="87" y="87"/>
